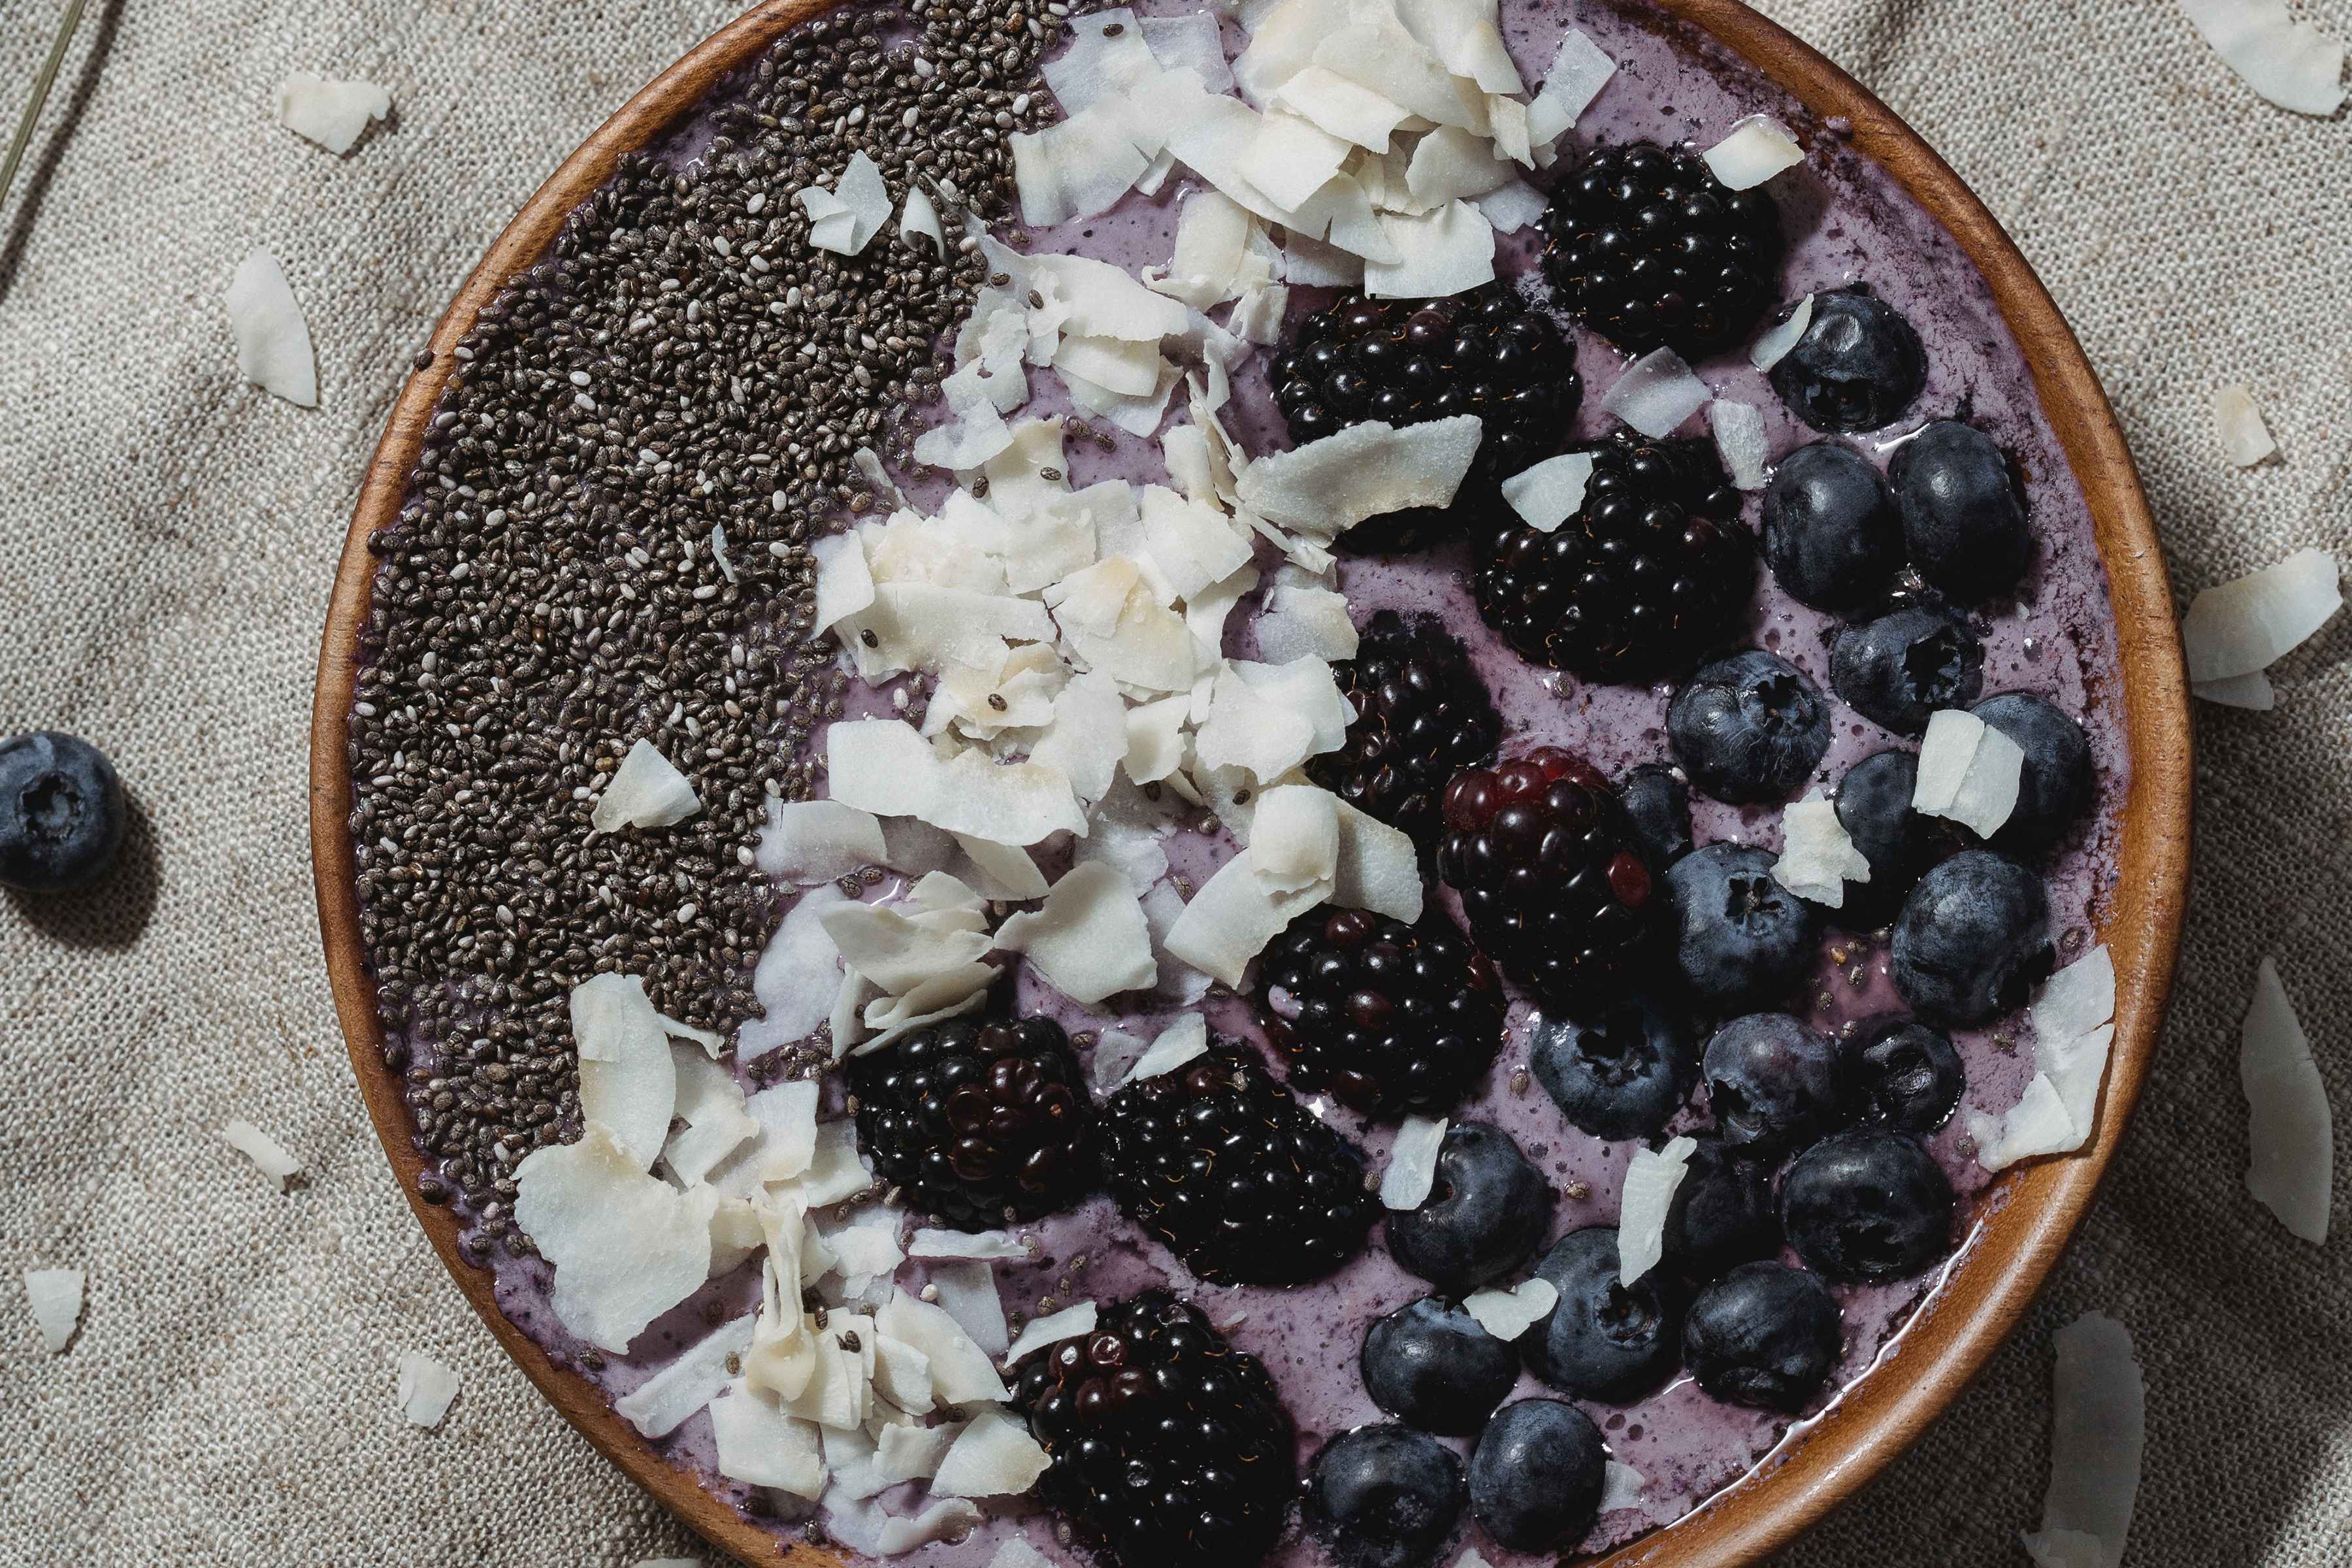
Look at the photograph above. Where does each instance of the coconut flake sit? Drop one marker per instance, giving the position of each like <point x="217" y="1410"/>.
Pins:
<point x="1651" y="1180"/>
<point x="1193" y="41"/>
<point x="1621" y="1487"/>
<point x="2290" y="63"/>
<point x="1344" y="109"/>
<point x="273" y="342"/>
<point x="1211" y="239"/>
<point x="1303" y="622"/>
<point x="967" y="1293"/>
<point x="56" y="1295"/>
<point x="1970" y="772"/>
<point x="1782" y="336"/>
<point x="1579" y="71"/>
<point x="1513" y="206"/>
<point x="2253" y="693"/>
<point x="761" y="1446"/>
<point x="268" y="1156"/>
<point x="1465" y="35"/>
<point x="626" y="1246"/>
<point x="425" y="1389"/>
<point x="632" y="1092"/>
<point x="2038" y="1124"/>
<point x="645" y="791"/>
<point x="2098" y="1429"/>
<point x="1449" y="165"/>
<point x="796" y="979"/>
<point x="814" y="841"/>
<point x="660" y="1404"/>
<point x="1379" y="870"/>
<point x="1817" y="857"/>
<point x="1042" y="202"/>
<point x="2078" y="998"/>
<point x="1229" y="921"/>
<point x="332" y="114"/>
<point x="1508" y="1314"/>
<point x="1328" y="486"/>
<point x="1289" y="159"/>
<point x="2240" y="627"/>
<point x="863" y="198"/>
<point x="950" y="1519"/>
<point x="2244" y="436"/>
<point x="1445" y="252"/>
<point x="1377" y="50"/>
<point x="919" y="219"/>
<point x="1295" y="836"/>
<point x="986" y="1245"/>
<point x="1756" y="148"/>
<point x="1656" y="393"/>
<point x="1185" y="1040"/>
<point x="1547" y="494"/>
<point x="1090" y="939"/>
<point x="1740" y="439"/>
<point x="1412" y="1170"/>
<point x="1052" y="1330"/>
<point x="2290" y="1131"/>
<point x="961" y="1371"/>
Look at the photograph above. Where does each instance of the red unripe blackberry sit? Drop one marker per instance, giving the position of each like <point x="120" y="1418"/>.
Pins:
<point x="1422" y="715"/>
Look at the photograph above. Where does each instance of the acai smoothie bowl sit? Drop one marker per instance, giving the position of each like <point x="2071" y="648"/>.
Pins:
<point x="1369" y="783"/>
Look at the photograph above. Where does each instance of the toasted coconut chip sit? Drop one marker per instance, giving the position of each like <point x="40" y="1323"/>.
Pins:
<point x="1195" y="42"/>
<point x="1294" y="837"/>
<point x="1774" y="345"/>
<point x="1450" y="163"/>
<point x="424" y="1390"/>
<point x="1449" y="251"/>
<point x="1211" y="239"/>
<point x="273" y="342"/>
<point x="1412" y="1170"/>
<point x="1817" y="857"/>
<point x="2244" y="436"/>
<point x="268" y="1156"/>
<point x="2242" y="626"/>
<point x="2098" y="1427"/>
<point x="995" y="1456"/>
<point x="1656" y="393"/>
<point x="1341" y="108"/>
<point x="56" y="1295"/>
<point x="1375" y="50"/>
<point x="1756" y="148"/>
<point x="331" y="113"/>
<point x="1328" y="487"/>
<point x="645" y="791"/>
<point x="2078" y="998"/>
<point x="1969" y="773"/>
<point x="1547" y="494"/>
<point x="660" y="1404"/>
<point x="2290" y="63"/>
<point x="796" y="979"/>
<point x="760" y="1445"/>
<point x="950" y="1519"/>
<point x="1378" y="869"/>
<point x="986" y="1245"/>
<point x="812" y="841"/>
<point x="632" y="1094"/>
<point x="1579" y="71"/>
<point x="2252" y="691"/>
<point x="960" y="1370"/>
<point x="626" y="1246"/>
<point x="1229" y="921"/>
<point x="1051" y="1330"/>
<point x="2290" y="1136"/>
<point x="1651" y="1180"/>
<point x="1508" y="1314"/>
<point x="1740" y="440"/>
<point x="1089" y="941"/>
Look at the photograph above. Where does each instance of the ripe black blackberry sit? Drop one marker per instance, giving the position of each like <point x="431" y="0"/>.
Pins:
<point x="1238" y="1178"/>
<point x="981" y="1122"/>
<point x="1654" y="568"/>
<point x="1387" y="1018"/>
<point x="1422" y="715"/>
<point x="1550" y="876"/>
<point x="1170" y="1448"/>
<point x="1404" y="362"/>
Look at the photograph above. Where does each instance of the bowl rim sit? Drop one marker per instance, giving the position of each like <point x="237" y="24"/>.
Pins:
<point x="2031" y="1211"/>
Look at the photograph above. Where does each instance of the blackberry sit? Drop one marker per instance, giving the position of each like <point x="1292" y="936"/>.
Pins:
<point x="982" y="1123"/>
<point x="1422" y="713"/>
<point x="1653" y="570"/>
<point x="1649" y="249"/>
<point x="1402" y="362"/>
<point x="1387" y="1018"/>
<point x="1234" y="1175"/>
<point x="1545" y="863"/>
<point x="1170" y="1448"/>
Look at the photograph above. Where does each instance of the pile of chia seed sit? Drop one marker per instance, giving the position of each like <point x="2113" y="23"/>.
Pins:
<point x="682" y="365"/>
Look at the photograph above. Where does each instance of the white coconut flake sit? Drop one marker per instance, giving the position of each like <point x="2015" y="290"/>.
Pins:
<point x="1756" y="148"/>
<point x="1377" y="867"/>
<point x="1289" y="159"/>
<point x="2290" y="63"/>
<point x="1656" y="393"/>
<point x="986" y="1245"/>
<point x="632" y="1093"/>
<point x="1295" y="836"/>
<point x="1229" y="921"/>
<point x="1412" y="1170"/>
<point x="268" y="1156"/>
<point x="2098" y="1430"/>
<point x="1817" y="857"/>
<point x="332" y="114"/>
<point x="1327" y="486"/>
<point x="962" y="1373"/>
<point x="797" y="978"/>
<point x="1970" y="772"/>
<point x="861" y="190"/>
<point x="1211" y="239"/>
<point x="952" y="1519"/>
<point x="1052" y="1330"/>
<point x="2253" y="693"/>
<point x="1193" y="41"/>
<point x="1445" y="252"/>
<point x="626" y="1246"/>
<point x="1450" y="165"/>
<point x="968" y="1294"/>
<point x="2291" y="1137"/>
<point x="1089" y="941"/>
<point x="56" y="1295"/>
<point x="1512" y="207"/>
<point x="2248" y="625"/>
<point x="2244" y="436"/>
<point x="1547" y="494"/>
<point x="645" y="790"/>
<point x="425" y="1389"/>
<point x="2038" y="1124"/>
<point x="1651" y="1180"/>
<point x="1377" y="50"/>
<point x="814" y="841"/>
<point x="1774" y="345"/>
<point x="759" y="1444"/>
<point x="1508" y="1314"/>
<point x="920" y="219"/>
<point x="1621" y="1487"/>
<point x="2078" y="998"/>
<point x="1345" y="108"/>
<point x="1740" y="440"/>
<point x="273" y="342"/>
<point x="660" y="1404"/>
<point x="1185" y="1040"/>
<point x="1463" y="34"/>
<point x="1579" y="71"/>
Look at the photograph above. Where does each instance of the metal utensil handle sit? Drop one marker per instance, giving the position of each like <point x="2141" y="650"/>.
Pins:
<point x="41" y="85"/>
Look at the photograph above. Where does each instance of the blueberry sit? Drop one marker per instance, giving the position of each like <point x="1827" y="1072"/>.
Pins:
<point x="2056" y="784"/>
<point x="1742" y="940"/>
<point x="1866" y="1205"/>
<point x="1430" y="1364"/>
<point x="1830" y="528"/>
<point x="1621" y="1072"/>
<point x="1657" y="805"/>
<point x="1903" y="1074"/>
<point x="1722" y="1214"/>
<point x="1536" y="1478"/>
<point x="1765" y="1335"/>
<point x="1602" y="1340"/>
<point x="62" y="813"/>
<point x="1858" y="366"/>
<point x="1973" y="939"/>
<point x="1383" y="1497"/>
<point x="1772" y="1083"/>
<point x="1963" y="513"/>
<point x="1749" y="728"/>
<point x="1487" y="1212"/>
<point x="1874" y="806"/>
<point x="1896" y="670"/>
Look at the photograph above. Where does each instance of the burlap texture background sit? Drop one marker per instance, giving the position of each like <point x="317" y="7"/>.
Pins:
<point x="166" y="539"/>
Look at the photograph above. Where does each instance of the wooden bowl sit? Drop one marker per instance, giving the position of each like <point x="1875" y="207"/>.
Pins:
<point x="2030" y="1212"/>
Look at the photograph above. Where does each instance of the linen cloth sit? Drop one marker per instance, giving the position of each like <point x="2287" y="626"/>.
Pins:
<point x="168" y="533"/>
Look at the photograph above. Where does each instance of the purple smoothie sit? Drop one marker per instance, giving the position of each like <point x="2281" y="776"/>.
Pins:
<point x="1846" y="221"/>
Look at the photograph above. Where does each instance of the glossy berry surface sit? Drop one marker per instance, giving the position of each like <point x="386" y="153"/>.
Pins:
<point x="1963" y="512"/>
<point x="1973" y="939"/>
<point x="1772" y="1082"/>
<point x="1857" y="367"/>
<point x="1722" y="1214"/>
<point x="1658" y="808"/>
<point x="1432" y="1366"/>
<point x="1830" y="535"/>
<point x="1170" y="1448"/>
<point x="981" y="1122"/>
<point x="1765" y="1335"/>
<point x="1741" y="939"/>
<point x="1750" y="729"/>
<point x="1551" y="878"/>
<point x="1486" y="1213"/>
<point x="1230" y="1174"/>
<point x="62" y="812"/>
<point x="1535" y="1477"/>
<point x="1896" y="670"/>
<point x="1903" y="1074"/>
<point x="1619" y="1070"/>
<point x="2053" y="787"/>
<point x="1383" y="1497"/>
<point x="1866" y="1205"/>
<point x="1874" y="806"/>
<point x="1422" y="714"/>
<point x="1648" y="249"/>
<point x="1651" y="570"/>
<point x="1603" y="1340"/>
<point x="1386" y="1017"/>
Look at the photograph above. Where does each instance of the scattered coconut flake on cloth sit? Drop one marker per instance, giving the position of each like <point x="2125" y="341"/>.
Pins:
<point x="332" y="114"/>
<point x="645" y="791"/>
<point x="56" y="1295"/>
<point x="2246" y="626"/>
<point x="2244" y="436"/>
<point x="2290" y="63"/>
<point x="1652" y="1178"/>
<point x="273" y="342"/>
<point x="1412" y="1170"/>
<point x="1656" y="393"/>
<point x="2290" y="1131"/>
<point x="2098" y="1429"/>
<point x="1756" y="148"/>
<point x="268" y="1156"/>
<point x="424" y="1390"/>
